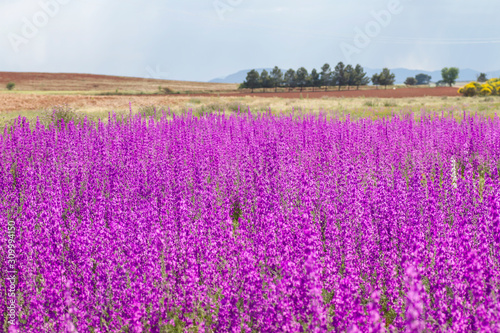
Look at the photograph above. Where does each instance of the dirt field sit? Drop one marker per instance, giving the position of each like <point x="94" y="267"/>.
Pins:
<point x="91" y="82"/>
<point x="16" y="101"/>
<point x="371" y="92"/>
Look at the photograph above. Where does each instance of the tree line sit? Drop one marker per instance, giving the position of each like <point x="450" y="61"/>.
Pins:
<point x="449" y="77"/>
<point x="339" y="76"/>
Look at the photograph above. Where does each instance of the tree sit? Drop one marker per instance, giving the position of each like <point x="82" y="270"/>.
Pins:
<point x="265" y="80"/>
<point x="302" y="77"/>
<point x="360" y="77"/>
<point x="423" y="78"/>
<point x="386" y="78"/>
<point x="10" y="85"/>
<point x="376" y="79"/>
<point x="350" y="76"/>
<point x="315" y="79"/>
<point x="276" y="77"/>
<point x="339" y="76"/>
<point x="482" y="77"/>
<point x="326" y="76"/>
<point x="450" y="75"/>
<point x="290" y="80"/>
<point x="411" y="81"/>
<point x="253" y="80"/>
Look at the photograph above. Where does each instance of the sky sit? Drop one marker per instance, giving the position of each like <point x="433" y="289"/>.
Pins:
<point x="199" y="40"/>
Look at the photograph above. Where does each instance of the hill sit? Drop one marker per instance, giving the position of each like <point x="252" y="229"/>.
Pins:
<point x="91" y="82"/>
<point x="237" y="77"/>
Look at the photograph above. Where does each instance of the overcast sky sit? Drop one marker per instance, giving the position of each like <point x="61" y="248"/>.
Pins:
<point x="204" y="39"/>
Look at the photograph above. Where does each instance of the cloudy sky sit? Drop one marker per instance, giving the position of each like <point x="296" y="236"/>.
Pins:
<point x="204" y="39"/>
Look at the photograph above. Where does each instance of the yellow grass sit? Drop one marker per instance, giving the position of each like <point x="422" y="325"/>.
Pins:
<point x="95" y="107"/>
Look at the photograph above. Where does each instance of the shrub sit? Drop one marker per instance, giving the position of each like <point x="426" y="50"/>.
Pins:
<point x="486" y="91"/>
<point x="61" y="112"/>
<point x="151" y="111"/>
<point x="10" y="85"/>
<point x="411" y="81"/>
<point x="166" y="91"/>
<point x="491" y="87"/>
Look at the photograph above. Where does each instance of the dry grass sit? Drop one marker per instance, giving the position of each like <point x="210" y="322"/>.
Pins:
<point x="356" y="107"/>
<point x="95" y="107"/>
<point x="32" y="102"/>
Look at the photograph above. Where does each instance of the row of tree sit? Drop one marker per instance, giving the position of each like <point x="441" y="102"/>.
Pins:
<point x="341" y="75"/>
<point x="449" y="76"/>
<point x="418" y="79"/>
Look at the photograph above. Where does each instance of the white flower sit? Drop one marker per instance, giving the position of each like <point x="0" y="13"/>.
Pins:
<point x="454" y="172"/>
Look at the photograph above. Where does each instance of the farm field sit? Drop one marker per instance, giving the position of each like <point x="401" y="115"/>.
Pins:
<point x="94" y="107"/>
<point x="36" y="94"/>
<point x="92" y="84"/>
<point x="377" y="216"/>
<point x="37" y="101"/>
<point x="14" y="101"/>
<point x="61" y="83"/>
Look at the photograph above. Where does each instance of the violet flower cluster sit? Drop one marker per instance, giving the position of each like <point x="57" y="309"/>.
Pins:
<point x="253" y="223"/>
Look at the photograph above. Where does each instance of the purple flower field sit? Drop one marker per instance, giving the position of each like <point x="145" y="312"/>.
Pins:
<point x="251" y="223"/>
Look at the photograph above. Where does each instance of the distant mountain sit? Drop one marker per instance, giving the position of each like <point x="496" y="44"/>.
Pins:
<point x="493" y="74"/>
<point x="238" y="77"/>
<point x="401" y="74"/>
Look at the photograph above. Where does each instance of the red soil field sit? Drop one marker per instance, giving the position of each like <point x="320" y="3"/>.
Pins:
<point x="374" y="93"/>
